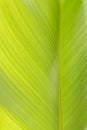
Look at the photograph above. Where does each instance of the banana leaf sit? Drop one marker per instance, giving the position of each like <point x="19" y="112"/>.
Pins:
<point x="43" y="69"/>
<point x="73" y="65"/>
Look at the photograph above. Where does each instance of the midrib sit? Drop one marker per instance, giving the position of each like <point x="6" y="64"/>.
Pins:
<point x="60" y="66"/>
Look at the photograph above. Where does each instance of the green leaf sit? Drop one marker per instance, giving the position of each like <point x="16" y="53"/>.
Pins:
<point x="28" y="64"/>
<point x="73" y="59"/>
<point x="43" y="64"/>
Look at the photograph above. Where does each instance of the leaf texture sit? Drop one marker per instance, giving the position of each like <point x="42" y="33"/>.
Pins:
<point x="43" y="64"/>
<point x="28" y="64"/>
<point x="73" y="26"/>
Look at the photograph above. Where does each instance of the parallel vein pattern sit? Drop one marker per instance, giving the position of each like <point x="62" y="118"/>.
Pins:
<point x="31" y="34"/>
<point x="28" y="64"/>
<point x="74" y="64"/>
